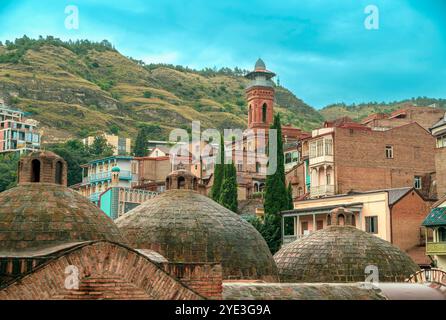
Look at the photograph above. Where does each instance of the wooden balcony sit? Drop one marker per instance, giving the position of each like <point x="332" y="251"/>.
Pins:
<point x="436" y="248"/>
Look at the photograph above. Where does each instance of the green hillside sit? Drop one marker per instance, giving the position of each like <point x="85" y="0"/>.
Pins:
<point x="360" y="111"/>
<point x="77" y="88"/>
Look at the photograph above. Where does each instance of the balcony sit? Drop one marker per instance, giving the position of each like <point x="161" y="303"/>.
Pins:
<point x="102" y="176"/>
<point x="436" y="248"/>
<point x="325" y="159"/>
<point x="322" y="191"/>
<point x="94" y="197"/>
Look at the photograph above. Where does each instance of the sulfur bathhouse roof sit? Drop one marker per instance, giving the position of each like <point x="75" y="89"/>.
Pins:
<point x="341" y="254"/>
<point x="42" y="215"/>
<point x="185" y="226"/>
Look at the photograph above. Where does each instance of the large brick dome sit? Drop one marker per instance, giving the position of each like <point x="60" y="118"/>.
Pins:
<point x="341" y="254"/>
<point x="40" y="215"/>
<point x="185" y="226"/>
<point x="42" y="212"/>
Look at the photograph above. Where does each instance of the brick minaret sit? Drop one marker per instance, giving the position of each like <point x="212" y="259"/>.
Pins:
<point x="260" y="96"/>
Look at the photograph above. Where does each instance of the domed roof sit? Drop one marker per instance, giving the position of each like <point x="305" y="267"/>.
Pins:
<point x="40" y="215"/>
<point x="260" y="65"/>
<point x="341" y="254"/>
<point x="185" y="226"/>
<point x="116" y="169"/>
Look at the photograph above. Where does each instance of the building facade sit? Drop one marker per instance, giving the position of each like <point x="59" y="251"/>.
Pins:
<point x="345" y="156"/>
<point x="394" y="215"/>
<point x="438" y="130"/>
<point x="17" y="134"/>
<point x="97" y="175"/>
<point x="435" y="224"/>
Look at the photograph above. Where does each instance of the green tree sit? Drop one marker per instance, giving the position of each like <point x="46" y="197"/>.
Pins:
<point x="141" y="143"/>
<point x="276" y="196"/>
<point x="8" y="170"/>
<point x="218" y="172"/>
<point x="101" y="148"/>
<point x="228" y="195"/>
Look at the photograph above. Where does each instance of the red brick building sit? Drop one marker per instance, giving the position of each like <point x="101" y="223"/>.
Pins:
<point x="346" y="156"/>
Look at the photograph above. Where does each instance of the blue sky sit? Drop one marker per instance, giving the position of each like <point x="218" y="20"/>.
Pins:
<point x="319" y="48"/>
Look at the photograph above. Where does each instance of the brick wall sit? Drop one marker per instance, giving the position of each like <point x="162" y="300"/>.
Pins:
<point x="205" y="279"/>
<point x="440" y="164"/>
<point x="361" y="164"/>
<point x="106" y="271"/>
<point x="406" y="217"/>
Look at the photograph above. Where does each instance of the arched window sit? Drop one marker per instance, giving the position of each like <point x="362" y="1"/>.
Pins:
<point x="181" y="182"/>
<point x="59" y="171"/>
<point x="35" y="171"/>
<point x="264" y="112"/>
<point x="341" y="220"/>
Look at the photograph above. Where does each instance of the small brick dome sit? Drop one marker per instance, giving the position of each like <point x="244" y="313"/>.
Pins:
<point x="42" y="212"/>
<point x="185" y="226"/>
<point x="341" y="254"/>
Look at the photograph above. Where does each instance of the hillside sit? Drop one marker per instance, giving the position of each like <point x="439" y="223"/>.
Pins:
<point x="360" y="111"/>
<point x="75" y="89"/>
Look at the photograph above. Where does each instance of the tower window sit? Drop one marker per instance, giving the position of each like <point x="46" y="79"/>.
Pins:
<point x="35" y="174"/>
<point x="59" y="170"/>
<point x="264" y="113"/>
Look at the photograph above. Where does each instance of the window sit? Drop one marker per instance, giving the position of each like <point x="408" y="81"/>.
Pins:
<point x="328" y="178"/>
<point x="288" y="157"/>
<point x="289" y="226"/>
<point x="442" y="234"/>
<point x="240" y="166"/>
<point x="320" y="148"/>
<point x="305" y="230"/>
<point x="441" y="141"/>
<point x="312" y="149"/>
<point x="371" y="224"/>
<point x="319" y="225"/>
<point x="328" y="147"/>
<point x="264" y="113"/>
<point x="389" y="152"/>
<point x="257" y="167"/>
<point x="417" y="182"/>
<point x="35" y="173"/>
<point x="59" y="172"/>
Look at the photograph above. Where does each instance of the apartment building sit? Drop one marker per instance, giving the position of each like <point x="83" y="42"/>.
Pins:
<point x="17" y="134"/>
<point x="97" y="175"/>
<point x="345" y="156"/>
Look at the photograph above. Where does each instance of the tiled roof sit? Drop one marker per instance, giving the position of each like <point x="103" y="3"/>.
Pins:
<point x="396" y="194"/>
<point x="437" y="217"/>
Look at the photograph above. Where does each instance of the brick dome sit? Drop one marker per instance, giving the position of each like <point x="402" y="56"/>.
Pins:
<point x="42" y="212"/>
<point x="185" y="226"/>
<point x="341" y="254"/>
<point x="40" y="215"/>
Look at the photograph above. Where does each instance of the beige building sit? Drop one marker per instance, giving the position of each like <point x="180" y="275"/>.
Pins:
<point x="394" y="215"/>
<point x="121" y="146"/>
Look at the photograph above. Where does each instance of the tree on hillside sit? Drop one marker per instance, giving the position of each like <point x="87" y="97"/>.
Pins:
<point x="218" y="172"/>
<point x="276" y="197"/>
<point x="8" y="170"/>
<point x="228" y="195"/>
<point x="141" y="147"/>
<point x="100" y="147"/>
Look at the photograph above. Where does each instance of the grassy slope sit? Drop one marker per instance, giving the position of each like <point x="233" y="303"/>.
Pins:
<point x="72" y="95"/>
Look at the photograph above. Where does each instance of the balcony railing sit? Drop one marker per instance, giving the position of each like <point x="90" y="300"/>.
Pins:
<point x="321" y="191"/>
<point x="321" y="159"/>
<point x="436" y="248"/>
<point x="101" y="176"/>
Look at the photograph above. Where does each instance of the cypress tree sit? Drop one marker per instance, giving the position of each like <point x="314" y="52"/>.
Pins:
<point x="228" y="196"/>
<point x="290" y="197"/>
<point x="218" y="173"/>
<point x="141" y="143"/>
<point x="276" y="196"/>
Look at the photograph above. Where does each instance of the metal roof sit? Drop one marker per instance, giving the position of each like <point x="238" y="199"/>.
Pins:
<point x="437" y="217"/>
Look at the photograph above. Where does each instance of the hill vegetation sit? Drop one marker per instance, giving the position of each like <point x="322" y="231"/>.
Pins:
<point x="77" y="88"/>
